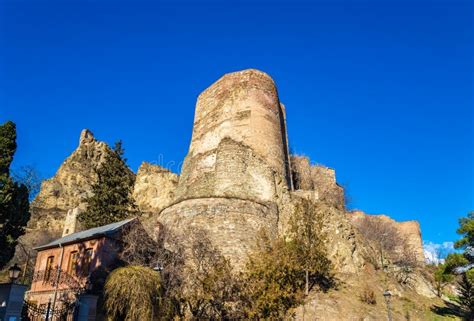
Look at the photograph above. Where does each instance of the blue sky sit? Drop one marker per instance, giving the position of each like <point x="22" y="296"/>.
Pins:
<point x="380" y="90"/>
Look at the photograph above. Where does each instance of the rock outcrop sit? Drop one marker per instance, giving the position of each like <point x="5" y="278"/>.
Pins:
<point x="154" y="188"/>
<point x="64" y="193"/>
<point x="69" y="187"/>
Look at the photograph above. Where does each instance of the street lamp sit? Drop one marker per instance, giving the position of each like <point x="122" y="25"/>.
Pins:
<point x="158" y="268"/>
<point x="387" y="296"/>
<point x="14" y="273"/>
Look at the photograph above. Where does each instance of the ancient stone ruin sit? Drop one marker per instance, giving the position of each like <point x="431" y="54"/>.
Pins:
<point x="237" y="164"/>
<point x="237" y="178"/>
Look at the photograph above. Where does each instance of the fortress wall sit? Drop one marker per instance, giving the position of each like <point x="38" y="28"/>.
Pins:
<point x="409" y="229"/>
<point x="301" y="173"/>
<point x="231" y="224"/>
<point x="324" y="181"/>
<point x="244" y="107"/>
<point x="236" y="172"/>
<point x="317" y="180"/>
<point x="237" y="167"/>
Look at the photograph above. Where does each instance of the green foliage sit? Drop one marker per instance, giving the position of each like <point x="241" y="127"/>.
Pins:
<point x="14" y="205"/>
<point x="442" y="277"/>
<point x="466" y="229"/>
<point x="132" y="293"/>
<point x="279" y="275"/>
<point x="7" y="146"/>
<point x="112" y="199"/>
<point x="466" y="294"/>
<point x="307" y="242"/>
<point x="454" y="260"/>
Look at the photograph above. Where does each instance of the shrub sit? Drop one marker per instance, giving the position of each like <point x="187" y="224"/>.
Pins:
<point x="368" y="296"/>
<point x="131" y="293"/>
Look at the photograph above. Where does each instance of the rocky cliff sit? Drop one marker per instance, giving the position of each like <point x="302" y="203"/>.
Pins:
<point x="154" y="188"/>
<point x="69" y="187"/>
<point x="65" y="192"/>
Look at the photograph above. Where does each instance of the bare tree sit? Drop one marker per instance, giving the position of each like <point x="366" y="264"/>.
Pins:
<point x="143" y="249"/>
<point x="387" y="246"/>
<point x="29" y="176"/>
<point x="211" y="288"/>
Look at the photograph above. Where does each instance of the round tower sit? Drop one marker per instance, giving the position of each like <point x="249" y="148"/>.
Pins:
<point x="241" y="108"/>
<point x="236" y="167"/>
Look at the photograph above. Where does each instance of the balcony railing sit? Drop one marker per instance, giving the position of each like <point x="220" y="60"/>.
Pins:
<point x="50" y="277"/>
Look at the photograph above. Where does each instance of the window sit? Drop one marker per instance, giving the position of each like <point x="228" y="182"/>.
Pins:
<point x="49" y="268"/>
<point x="73" y="262"/>
<point x="86" y="266"/>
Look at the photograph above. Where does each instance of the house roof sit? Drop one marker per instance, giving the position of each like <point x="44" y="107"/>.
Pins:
<point x="105" y="230"/>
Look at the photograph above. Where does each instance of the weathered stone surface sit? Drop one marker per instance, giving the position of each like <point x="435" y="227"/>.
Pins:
<point x="71" y="223"/>
<point x="154" y="188"/>
<point x="317" y="178"/>
<point x="71" y="184"/>
<point x="324" y="181"/>
<point x="301" y="173"/>
<point x="231" y="224"/>
<point x="343" y="243"/>
<point x="409" y="229"/>
<point x="65" y="192"/>
<point x="242" y="107"/>
<point x="69" y="187"/>
<point x="238" y="164"/>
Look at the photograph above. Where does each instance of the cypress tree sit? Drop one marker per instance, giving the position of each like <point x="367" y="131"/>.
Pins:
<point x="112" y="193"/>
<point x="14" y="205"/>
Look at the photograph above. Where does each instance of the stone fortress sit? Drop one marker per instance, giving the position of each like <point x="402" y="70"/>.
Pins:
<point x="237" y="178"/>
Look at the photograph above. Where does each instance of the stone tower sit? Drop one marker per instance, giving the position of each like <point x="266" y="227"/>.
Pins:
<point x="70" y="222"/>
<point x="237" y="164"/>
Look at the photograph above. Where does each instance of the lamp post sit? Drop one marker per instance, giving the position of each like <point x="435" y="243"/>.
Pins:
<point x="158" y="268"/>
<point x="387" y="296"/>
<point x="14" y="273"/>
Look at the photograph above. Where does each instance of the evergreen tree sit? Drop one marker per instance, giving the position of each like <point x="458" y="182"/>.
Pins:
<point x="466" y="229"/>
<point x="306" y="228"/>
<point x="112" y="193"/>
<point x="14" y="205"/>
<point x="466" y="294"/>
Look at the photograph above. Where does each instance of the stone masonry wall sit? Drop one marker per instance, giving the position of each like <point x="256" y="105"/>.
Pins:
<point x="244" y="107"/>
<point x="237" y="168"/>
<point x="231" y="224"/>
<point x="409" y="229"/>
<point x="321" y="180"/>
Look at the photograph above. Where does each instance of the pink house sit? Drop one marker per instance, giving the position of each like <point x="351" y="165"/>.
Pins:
<point x="67" y="269"/>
